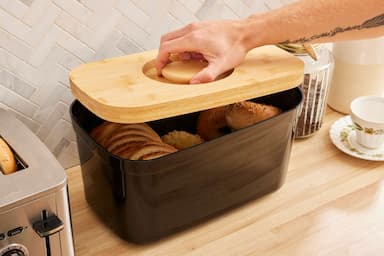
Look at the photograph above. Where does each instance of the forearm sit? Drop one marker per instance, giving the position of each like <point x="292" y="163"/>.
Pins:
<point x="316" y="21"/>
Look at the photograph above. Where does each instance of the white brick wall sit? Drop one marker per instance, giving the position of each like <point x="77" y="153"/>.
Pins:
<point x="41" y="40"/>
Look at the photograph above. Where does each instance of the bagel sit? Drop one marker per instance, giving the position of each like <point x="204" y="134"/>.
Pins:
<point x="182" y="139"/>
<point x="7" y="159"/>
<point x="247" y="113"/>
<point x="210" y="122"/>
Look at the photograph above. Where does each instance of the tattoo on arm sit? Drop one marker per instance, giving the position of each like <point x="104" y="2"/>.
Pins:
<point x="371" y="23"/>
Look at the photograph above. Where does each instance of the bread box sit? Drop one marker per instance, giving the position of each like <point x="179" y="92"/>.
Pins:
<point x="145" y="200"/>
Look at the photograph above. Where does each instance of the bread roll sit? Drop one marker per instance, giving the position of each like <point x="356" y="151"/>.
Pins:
<point x="7" y="159"/>
<point x="182" y="139"/>
<point x="246" y="113"/>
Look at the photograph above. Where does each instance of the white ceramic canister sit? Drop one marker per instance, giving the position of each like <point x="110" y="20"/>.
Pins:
<point x="358" y="71"/>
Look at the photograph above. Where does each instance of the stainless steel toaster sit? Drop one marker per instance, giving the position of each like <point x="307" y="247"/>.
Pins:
<point x="34" y="208"/>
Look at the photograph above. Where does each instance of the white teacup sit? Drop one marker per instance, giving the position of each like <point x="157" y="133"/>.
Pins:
<point x="367" y="114"/>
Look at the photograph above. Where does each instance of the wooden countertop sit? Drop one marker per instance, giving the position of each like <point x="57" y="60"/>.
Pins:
<point x="331" y="204"/>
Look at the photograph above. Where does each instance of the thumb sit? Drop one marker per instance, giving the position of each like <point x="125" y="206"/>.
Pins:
<point x="208" y="74"/>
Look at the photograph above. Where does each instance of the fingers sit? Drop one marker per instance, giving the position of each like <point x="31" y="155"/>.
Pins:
<point x="208" y="74"/>
<point x="178" y="45"/>
<point x="176" y="33"/>
<point x="177" y="41"/>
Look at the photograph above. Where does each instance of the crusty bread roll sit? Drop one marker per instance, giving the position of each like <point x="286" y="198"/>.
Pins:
<point x="246" y="113"/>
<point x="182" y="139"/>
<point x="210" y="122"/>
<point x="7" y="159"/>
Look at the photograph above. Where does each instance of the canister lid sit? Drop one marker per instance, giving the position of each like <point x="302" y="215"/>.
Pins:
<point x="127" y="90"/>
<point x="298" y="48"/>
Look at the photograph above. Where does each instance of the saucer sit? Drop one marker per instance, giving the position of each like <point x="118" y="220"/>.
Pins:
<point x="343" y="136"/>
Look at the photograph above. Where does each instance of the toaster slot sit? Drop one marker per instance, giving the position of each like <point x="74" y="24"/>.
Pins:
<point x="6" y="154"/>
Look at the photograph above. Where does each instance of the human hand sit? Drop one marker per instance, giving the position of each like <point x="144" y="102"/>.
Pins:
<point x="220" y="43"/>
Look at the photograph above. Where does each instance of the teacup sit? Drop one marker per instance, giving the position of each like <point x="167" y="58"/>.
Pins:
<point x="367" y="114"/>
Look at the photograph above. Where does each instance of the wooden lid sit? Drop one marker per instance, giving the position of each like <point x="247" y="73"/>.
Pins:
<point x="117" y="89"/>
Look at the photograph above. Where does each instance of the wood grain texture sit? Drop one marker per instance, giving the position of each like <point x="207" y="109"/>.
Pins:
<point x="330" y="205"/>
<point x="117" y="89"/>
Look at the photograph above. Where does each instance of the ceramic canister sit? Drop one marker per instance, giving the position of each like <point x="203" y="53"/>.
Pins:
<point x="358" y="71"/>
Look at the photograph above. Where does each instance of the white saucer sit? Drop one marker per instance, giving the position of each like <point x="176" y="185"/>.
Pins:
<point x="343" y="135"/>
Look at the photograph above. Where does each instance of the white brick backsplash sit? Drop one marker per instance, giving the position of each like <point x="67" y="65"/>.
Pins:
<point x="108" y="48"/>
<point x="59" y="129"/>
<point x="15" y="8"/>
<point x="70" y="43"/>
<point x="192" y="6"/>
<point x="181" y="13"/>
<point x="26" y="2"/>
<point x="43" y="26"/>
<point x="127" y="46"/>
<point x="100" y="35"/>
<point x="45" y="46"/>
<point x="70" y="61"/>
<point x="134" y="13"/>
<point x="67" y="96"/>
<point x="98" y="6"/>
<point x="42" y="40"/>
<point x="151" y="6"/>
<point x="57" y="112"/>
<point x="273" y="4"/>
<point x="18" y="66"/>
<point x="69" y="155"/>
<point x="14" y="45"/>
<point x="228" y="14"/>
<point x="165" y="22"/>
<point x="15" y="84"/>
<point x="73" y="27"/>
<point x="35" y="12"/>
<point x="131" y="30"/>
<point x="76" y="9"/>
<point x="211" y="10"/>
<point x="239" y="8"/>
<point x="17" y="102"/>
<point x="13" y="25"/>
<point x="48" y="96"/>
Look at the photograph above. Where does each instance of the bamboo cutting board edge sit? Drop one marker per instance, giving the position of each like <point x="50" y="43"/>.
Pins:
<point x="241" y="85"/>
<point x="162" y="110"/>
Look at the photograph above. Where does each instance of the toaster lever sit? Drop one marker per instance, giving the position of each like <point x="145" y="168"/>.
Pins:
<point x="48" y="226"/>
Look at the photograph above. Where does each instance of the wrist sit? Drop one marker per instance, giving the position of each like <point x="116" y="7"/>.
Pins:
<point x="254" y="32"/>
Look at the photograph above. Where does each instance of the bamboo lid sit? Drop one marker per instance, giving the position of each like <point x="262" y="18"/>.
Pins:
<point x="127" y="90"/>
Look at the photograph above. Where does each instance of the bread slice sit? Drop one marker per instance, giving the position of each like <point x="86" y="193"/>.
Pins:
<point x="150" y="148"/>
<point x="102" y="132"/>
<point x="154" y="155"/>
<point x="121" y="144"/>
<point x="121" y="133"/>
<point x="7" y="159"/>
